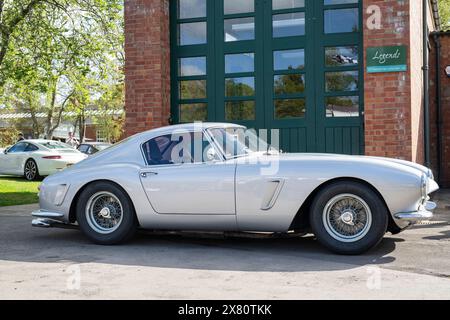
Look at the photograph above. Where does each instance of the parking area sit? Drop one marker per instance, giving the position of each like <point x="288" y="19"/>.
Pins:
<point x="62" y="264"/>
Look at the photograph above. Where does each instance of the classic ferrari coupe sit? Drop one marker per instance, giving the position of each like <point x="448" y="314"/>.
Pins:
<point x="223" y="177"/>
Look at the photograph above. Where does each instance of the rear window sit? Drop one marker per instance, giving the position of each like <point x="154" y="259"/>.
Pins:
<point x="56" y="145"/>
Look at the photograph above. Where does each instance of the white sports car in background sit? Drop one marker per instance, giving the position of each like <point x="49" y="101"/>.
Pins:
<point x="35" y="158"/>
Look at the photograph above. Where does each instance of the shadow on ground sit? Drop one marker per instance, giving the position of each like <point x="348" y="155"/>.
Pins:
<point x="20" y="242"/>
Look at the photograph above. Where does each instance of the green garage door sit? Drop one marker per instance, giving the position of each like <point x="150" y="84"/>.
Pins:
<point x="292" y="65"/>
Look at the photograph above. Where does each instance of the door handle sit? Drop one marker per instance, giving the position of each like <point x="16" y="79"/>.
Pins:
<point x="145" y="174"/>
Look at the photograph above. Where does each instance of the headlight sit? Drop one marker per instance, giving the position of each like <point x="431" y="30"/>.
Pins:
<point x="423" y="187"/>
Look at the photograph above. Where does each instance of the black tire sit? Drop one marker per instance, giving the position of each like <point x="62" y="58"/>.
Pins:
<point x="327" y="235"/>
<point x="31" y="170"/>
<point x="125" y="229"/>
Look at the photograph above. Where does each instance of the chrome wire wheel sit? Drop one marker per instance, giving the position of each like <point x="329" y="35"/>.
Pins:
<point x="30" y="170"/>
<point x="347" y="218"/>
<point x="104" y="212"/>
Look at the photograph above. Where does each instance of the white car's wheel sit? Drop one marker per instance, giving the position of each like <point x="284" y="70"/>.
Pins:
<point x="31" y="171"/>
<point x="105" y="214"/>
<point x="348" y="217"/>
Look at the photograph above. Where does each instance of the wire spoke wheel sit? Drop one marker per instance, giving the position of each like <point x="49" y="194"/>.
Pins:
<point x="30" y="170"/>
<point x="347" y="218"/>
<point x="104" y="212"/>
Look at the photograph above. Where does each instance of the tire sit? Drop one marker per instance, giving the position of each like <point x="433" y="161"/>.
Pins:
<point x="31" y="170"/>
<point x="105" y="214"/>
<point x="348" y="217"/>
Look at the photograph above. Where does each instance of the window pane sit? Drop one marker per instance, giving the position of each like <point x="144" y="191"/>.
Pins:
<point x="195" y="66"/>
<point x="192" y="33"/>
<point x="238" y="6"/>
<point x="193" y="112"/>
<point x="192" y="89"/>
<point x="240" y="110"/>
<point x="290" y="108"/>
<point x="239" y="62"/>
<point x="287" y="4"/>
<point x="341" y="81"/>
<point x="191" y="9"/>
<point x="341" y="56"/>
<point x="331" y="2"/>
<point x="341" y="20"/>
<point x="289" y="24"/>
<point x="240" y="87"/>
<point x="239" y="29"/>
<point x="289" y="84"/>
<point x="342" y="107"/>
<point x="289" y="59"/>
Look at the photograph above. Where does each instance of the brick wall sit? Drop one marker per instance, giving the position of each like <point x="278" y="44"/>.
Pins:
<point x="393" y="101"/>
<point x="147" y="66"/>
<point x="387" y="96"/>
<point x="445" y="107"/>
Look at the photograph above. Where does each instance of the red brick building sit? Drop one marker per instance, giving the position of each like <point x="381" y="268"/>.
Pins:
<point x="440" y="105"/>
<point x="341" y="76"/>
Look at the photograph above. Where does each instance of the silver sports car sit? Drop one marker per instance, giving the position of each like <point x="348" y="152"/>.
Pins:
<point x="223" y="177"/>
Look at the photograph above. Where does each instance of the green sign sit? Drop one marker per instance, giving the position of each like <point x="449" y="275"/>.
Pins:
<point x="386" y="59"/>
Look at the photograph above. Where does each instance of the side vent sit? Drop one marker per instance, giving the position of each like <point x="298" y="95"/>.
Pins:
<point x="273" y="188"/>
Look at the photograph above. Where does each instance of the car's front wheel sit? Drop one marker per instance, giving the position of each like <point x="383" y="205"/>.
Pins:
<point x="31" y="171"/>
<point x="348" y="217"/>
<point x="105" y="214"/>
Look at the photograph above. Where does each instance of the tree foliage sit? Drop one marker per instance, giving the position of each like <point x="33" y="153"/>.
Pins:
<point x="59" y="55"/>
<point x="444" y="11"/>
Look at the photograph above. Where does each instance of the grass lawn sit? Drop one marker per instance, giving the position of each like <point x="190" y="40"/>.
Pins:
<point x="16" y="191"/>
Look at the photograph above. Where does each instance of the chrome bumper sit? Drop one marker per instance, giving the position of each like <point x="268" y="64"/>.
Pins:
<point x="424" y="213"/>
<point x="46" y="219"/>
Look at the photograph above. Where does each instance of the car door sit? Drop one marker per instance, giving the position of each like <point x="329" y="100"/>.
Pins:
<point x="184" y="177"/>
<point x="14" y="157"/>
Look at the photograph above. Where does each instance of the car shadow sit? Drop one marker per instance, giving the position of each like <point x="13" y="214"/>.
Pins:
<point x="444" y="235"/>
<point x="198" y="252"/>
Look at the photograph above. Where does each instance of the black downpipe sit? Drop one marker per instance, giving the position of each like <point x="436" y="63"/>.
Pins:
<point x="437" y="42"/>
<point x="426" y="85"/>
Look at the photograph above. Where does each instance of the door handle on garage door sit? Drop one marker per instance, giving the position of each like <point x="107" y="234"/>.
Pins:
<point x="146" y="174"/>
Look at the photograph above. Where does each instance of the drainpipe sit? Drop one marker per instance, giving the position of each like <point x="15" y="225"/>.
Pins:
<point x="437" y="42"/>
<point x="426" y="84"/>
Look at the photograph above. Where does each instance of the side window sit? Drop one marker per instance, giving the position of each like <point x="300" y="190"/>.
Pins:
<point x="19" y="147"/>
<point x="179" y="148"/>
<point x="83" y="148"/>
<point x="31" y="147"/>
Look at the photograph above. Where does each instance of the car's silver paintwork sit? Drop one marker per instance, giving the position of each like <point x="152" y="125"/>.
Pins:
<point x="232" y="194"/>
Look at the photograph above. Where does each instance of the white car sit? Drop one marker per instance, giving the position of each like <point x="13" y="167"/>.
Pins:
<point x="222" y="177"/>
<point x="35" y="158"/>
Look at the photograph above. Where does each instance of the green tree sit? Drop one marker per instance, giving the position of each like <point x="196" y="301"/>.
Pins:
<point x="60" y="55"/>
<point x="444" y="11"/>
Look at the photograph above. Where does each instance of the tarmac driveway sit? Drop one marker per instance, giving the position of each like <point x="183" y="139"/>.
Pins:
<point x="62" y="264"/>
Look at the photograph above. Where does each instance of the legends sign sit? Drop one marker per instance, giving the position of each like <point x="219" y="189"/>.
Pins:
<point x="386" y="59"/>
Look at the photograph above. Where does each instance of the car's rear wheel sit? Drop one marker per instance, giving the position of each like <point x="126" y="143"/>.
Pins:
<point x="105" y="214"/>
<point x="348" y="217"/>
<point x="31" y="171"/>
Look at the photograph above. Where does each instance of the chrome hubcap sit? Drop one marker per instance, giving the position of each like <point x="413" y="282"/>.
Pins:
<point x="104" y="212"/>
<point x="347" y="218"/>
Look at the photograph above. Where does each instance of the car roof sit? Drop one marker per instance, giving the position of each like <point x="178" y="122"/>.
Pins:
<point x="37" y="141"/>
<point x="190" y="127"/>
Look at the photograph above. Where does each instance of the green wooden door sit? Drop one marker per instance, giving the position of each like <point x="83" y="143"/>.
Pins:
<point x="290" y="65"/>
